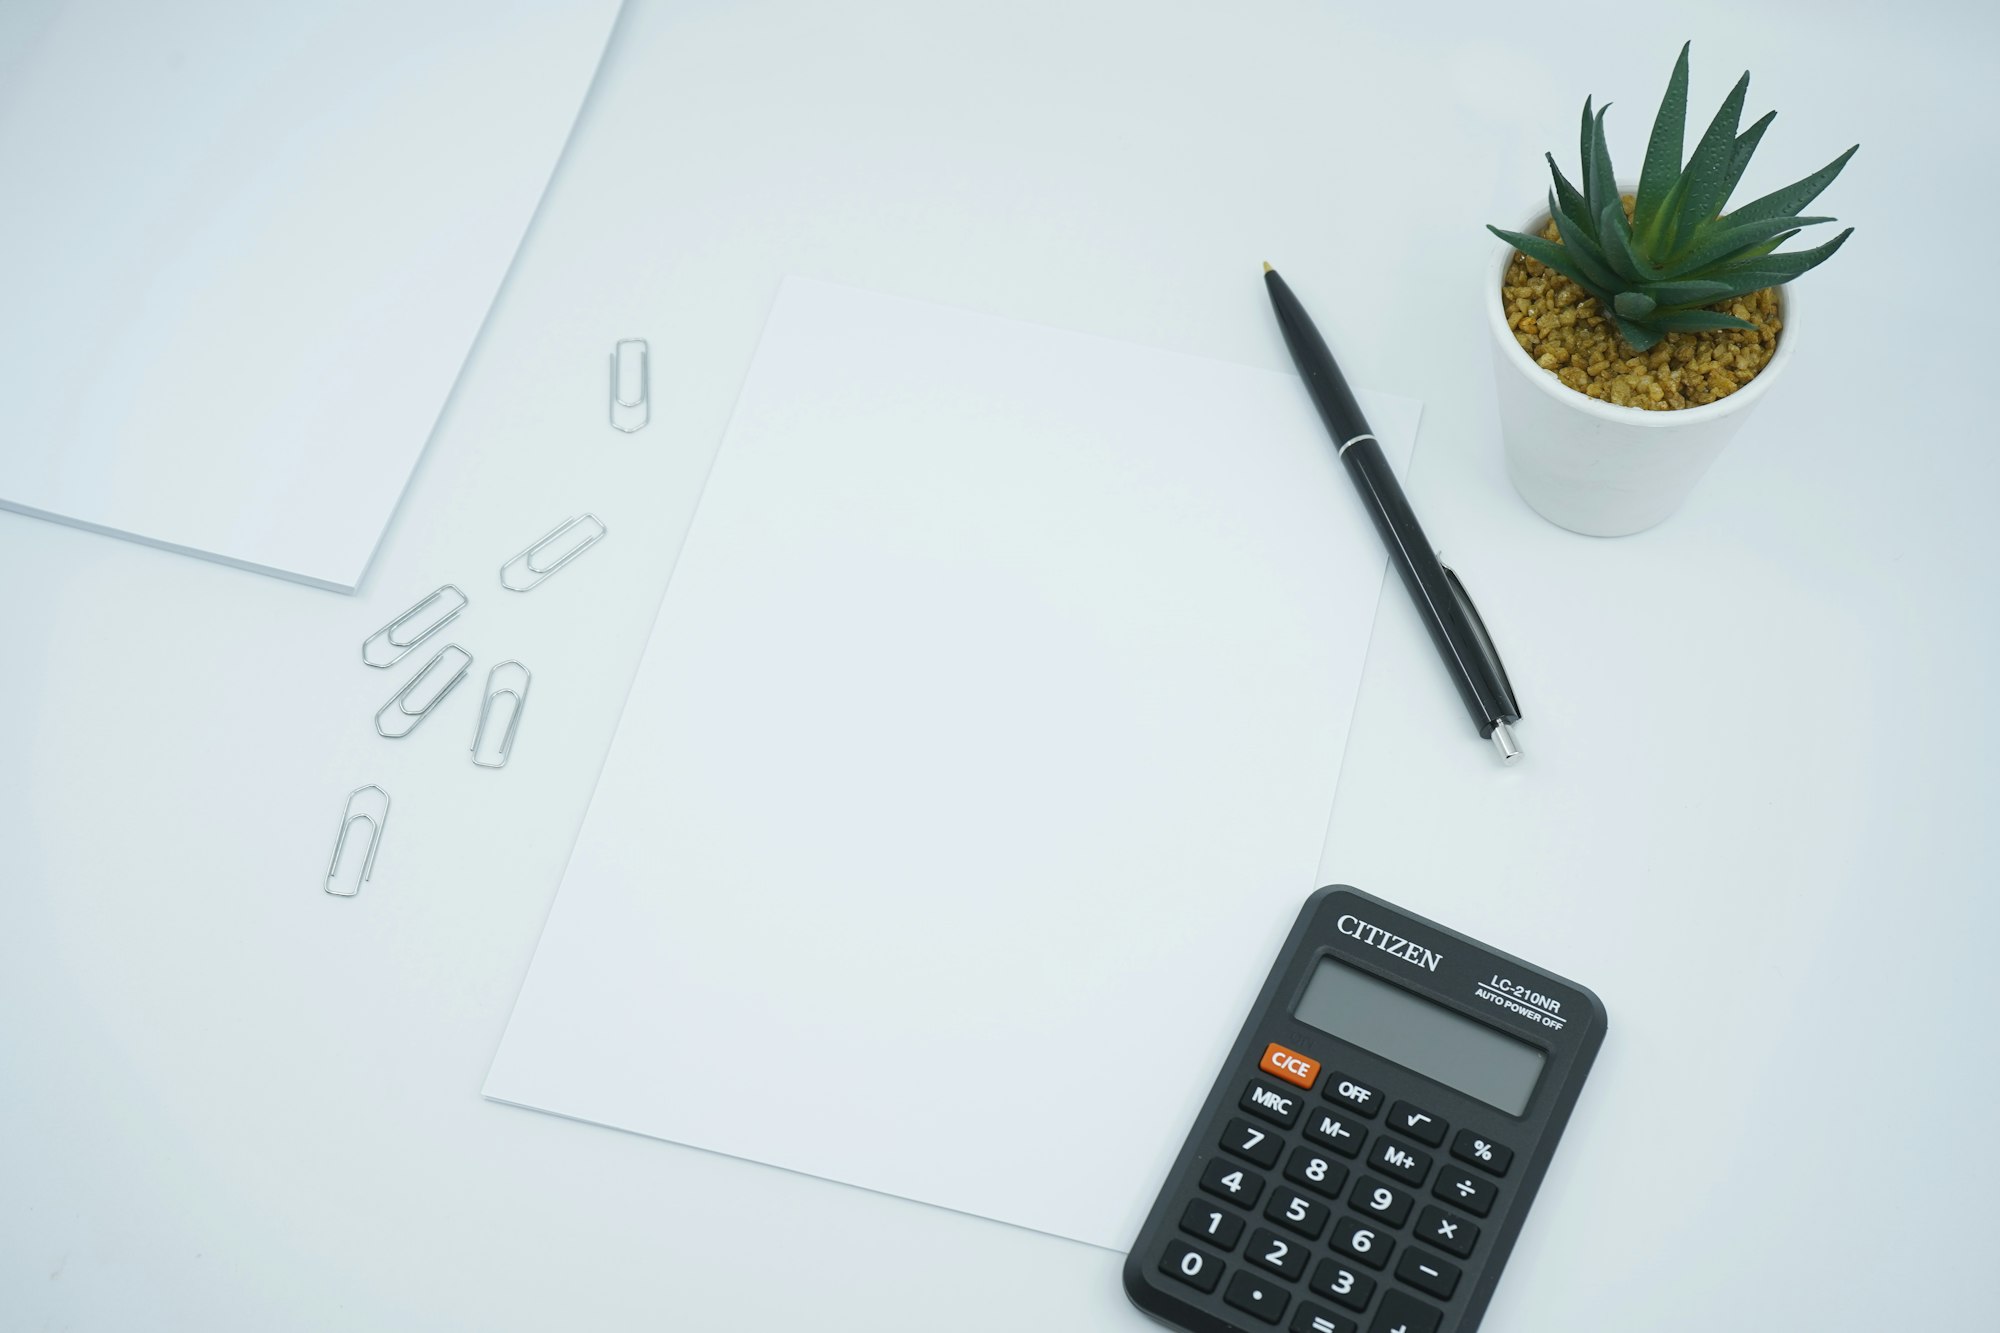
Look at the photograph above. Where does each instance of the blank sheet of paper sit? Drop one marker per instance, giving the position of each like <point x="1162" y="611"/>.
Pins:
<point x="979" y="761"/>
<point x="248" y="247"/>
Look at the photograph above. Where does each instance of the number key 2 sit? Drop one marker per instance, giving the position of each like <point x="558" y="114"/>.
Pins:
<point x="1270" y="1250"/>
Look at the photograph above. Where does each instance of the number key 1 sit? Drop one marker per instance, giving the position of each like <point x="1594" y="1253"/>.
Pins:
<point x="1211" y="1224"/>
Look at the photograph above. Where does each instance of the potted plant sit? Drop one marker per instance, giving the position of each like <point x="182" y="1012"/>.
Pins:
<point x="1634" y="331"/>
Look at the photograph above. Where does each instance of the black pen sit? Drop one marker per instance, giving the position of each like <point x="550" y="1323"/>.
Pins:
<point x="1448" y="613"/>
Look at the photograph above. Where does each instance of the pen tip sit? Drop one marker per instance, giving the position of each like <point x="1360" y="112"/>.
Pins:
<point x="1267" y="267"/>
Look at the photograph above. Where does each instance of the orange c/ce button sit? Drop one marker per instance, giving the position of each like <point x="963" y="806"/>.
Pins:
<point x="1289" y="1065"/>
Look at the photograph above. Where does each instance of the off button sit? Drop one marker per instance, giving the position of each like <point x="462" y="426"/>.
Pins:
<point x="1289" y="1065"/>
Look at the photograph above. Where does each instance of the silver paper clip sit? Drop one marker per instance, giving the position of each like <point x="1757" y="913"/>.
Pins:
<point x="622" y="407"/>
<point x="394" y="638"/>
<point x="349" y="817"/>
<point x="519" y="695"/>
<point x="594" y="529"/>
<point x="400" y="701"/>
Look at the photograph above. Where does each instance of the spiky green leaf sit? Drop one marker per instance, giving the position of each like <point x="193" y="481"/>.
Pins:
<point x="1640" y="336"/>
<point x="1615" y="236"/>
<point x="1581" y="246"/>
<point x="1704" y="181"/>
<point x="1690" y="321"/>
<point x="1663" y="151"/>
<point x="1721" y="242"/>
<point x="1634" y="304"/>
<point x="1568" y="196"/>
<point x="1746" y="145"/>
<point x="1776" y="269"/>
<point x="1600" y="182"/>
<point x="1703" y="292"/>
<point x="1583" y="157"/>
<point x="1783" y="203"/>
<point x="1557" y="258"/>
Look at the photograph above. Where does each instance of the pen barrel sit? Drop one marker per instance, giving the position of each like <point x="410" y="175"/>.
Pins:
<point x="1324" y="382"/>
<point x="1447" y="613"/>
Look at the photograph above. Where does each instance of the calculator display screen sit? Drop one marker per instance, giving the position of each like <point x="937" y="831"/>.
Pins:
<point x="1436" y="1042"/>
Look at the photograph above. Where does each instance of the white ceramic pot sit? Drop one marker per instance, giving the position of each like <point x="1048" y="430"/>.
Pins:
<point x="1595" y="467"/>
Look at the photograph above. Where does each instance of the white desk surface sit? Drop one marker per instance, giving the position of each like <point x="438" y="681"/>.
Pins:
<point x="1756" y="814"/>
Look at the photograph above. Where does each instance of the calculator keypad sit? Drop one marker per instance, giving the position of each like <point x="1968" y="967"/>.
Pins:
<point x="1349" y="1223"/>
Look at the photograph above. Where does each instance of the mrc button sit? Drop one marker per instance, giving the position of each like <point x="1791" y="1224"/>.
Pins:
<point x="1289" y="1065"/>
<point x="1271" y="1101"/>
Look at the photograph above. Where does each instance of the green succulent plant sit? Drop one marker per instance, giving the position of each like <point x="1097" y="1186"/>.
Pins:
<point x="1679" y="251"/>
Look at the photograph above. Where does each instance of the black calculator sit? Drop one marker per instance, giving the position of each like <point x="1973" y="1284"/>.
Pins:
<point x="1367" y="1156"/>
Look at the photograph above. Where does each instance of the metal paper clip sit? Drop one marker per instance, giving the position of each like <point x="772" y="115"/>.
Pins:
<point x="400" y="701"/>
<point x="536" y="549"/>
<point x="349" y="817"/>
<point x="519" y="695"/>
<point x="391" y="637"/>
<point x="622" y="407"/>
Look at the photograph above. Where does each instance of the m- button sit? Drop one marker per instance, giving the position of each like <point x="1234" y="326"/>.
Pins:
<point x="1289" y="1065"/>
<point x="1271" y="1102"/>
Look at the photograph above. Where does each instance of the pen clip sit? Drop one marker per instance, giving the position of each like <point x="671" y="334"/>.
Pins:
<point x="1489" y="656"/>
